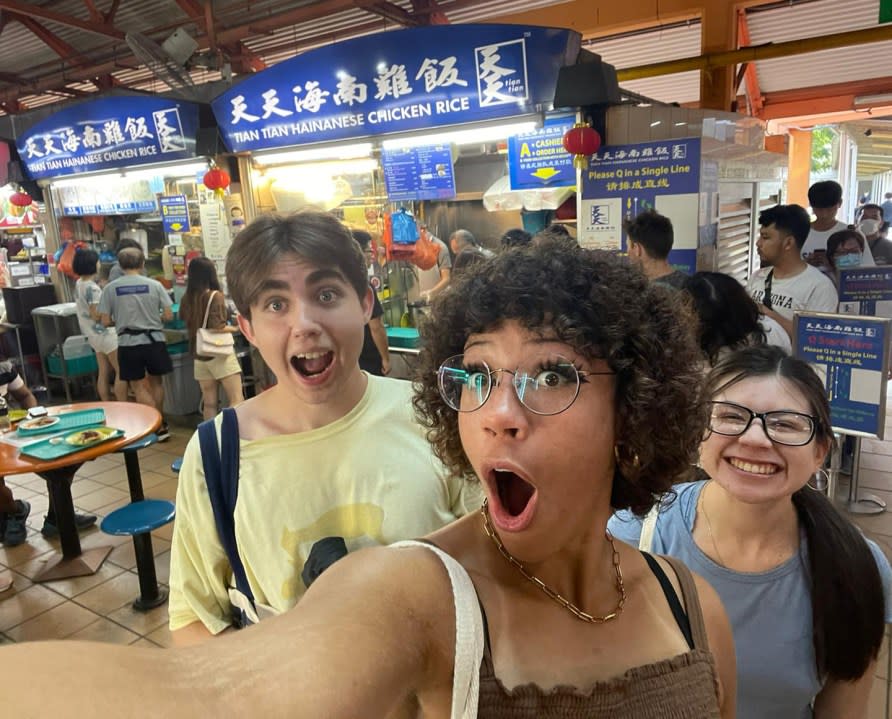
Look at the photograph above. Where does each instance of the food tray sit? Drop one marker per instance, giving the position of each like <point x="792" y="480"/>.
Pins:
<point x="68" y="422"/>
<point x="47" y="450"/>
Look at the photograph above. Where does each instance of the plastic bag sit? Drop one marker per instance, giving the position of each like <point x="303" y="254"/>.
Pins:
<point x="66" y="259"/>
<point x="405" y="231"/>
<point x="426" y="251"/>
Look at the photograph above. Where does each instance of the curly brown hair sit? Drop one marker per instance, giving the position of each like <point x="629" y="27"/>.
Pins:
<point x="603" y="309"/>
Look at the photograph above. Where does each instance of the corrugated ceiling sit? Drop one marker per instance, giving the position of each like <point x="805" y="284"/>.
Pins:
<point x="812" y="19"/>
<point x="656" y="45"/>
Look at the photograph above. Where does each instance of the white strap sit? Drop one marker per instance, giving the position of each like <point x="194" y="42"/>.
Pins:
<point x="648" y="526"/>
<point x="468" y="635"/>
<point x="208" y="310"/>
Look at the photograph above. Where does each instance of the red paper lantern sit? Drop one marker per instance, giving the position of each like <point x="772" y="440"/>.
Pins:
<point x="19" y="202"/>
<point x="217" y="180"/>
<point x="582" y="142"/>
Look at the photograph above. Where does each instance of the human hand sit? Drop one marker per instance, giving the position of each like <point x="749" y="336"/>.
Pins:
<point x="385" y="366"/>
<point x="426" y="297"/>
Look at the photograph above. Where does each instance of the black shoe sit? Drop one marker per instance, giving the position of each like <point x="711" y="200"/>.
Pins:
<point x="82" y="521"/>
<point x="163" y="433"/>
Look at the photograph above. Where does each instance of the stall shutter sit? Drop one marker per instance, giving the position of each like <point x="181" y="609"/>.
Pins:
<point x="734" y="240"/>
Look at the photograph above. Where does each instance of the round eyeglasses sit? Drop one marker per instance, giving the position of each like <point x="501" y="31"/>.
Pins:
<point x="548" y="389"/>
<point x="782" y="426"/>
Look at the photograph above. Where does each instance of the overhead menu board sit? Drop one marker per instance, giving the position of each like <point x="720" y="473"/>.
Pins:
<point x="419" y="173"/>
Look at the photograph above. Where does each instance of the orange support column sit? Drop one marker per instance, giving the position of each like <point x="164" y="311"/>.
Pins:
<point x="798" y="167"/>
<point x="719" y="28"/>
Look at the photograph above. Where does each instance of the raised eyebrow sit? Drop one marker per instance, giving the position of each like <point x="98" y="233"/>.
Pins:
<point x="272" y="285"/>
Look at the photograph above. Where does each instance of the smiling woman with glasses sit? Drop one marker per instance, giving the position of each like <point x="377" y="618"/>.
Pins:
<point x="804" y="590"/>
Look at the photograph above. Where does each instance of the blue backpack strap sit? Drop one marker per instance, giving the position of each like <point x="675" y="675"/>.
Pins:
<point x="221" y="476"/>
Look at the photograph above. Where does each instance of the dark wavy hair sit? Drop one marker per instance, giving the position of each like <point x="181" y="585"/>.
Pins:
<point x="603" y="309"/>
<point x="728" y="316"/>
<point x="846" y="590"/>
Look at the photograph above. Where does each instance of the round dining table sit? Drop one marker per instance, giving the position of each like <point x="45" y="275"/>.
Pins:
<point x="135" y="421"/>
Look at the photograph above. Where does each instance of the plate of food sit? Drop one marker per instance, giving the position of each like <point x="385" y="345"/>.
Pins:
<point x="38" y="423"/>
<point x="88" y="437"/>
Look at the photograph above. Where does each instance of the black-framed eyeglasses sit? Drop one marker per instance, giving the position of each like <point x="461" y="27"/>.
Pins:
<point x="782" y="426"/>
<point x="549" y="388"/>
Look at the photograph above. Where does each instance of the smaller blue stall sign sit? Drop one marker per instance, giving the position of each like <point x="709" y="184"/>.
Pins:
<point x="863" y="288"/>
<point x="110" y="133"/>
<point x="419" y="173"/>
<point x="174" y="213"/>
<point x="538" y="159"/>
<point x="851" y="354"/>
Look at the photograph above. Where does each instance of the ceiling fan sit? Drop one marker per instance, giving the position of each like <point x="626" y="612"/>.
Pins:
<point x="166" y="61"/>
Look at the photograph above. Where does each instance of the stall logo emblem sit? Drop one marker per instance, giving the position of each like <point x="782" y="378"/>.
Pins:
<point x="600" y="216"/>
<point x="502" y="73"/>
<point x="170" y="130"/>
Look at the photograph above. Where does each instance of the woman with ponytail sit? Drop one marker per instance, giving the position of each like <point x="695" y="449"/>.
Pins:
<point x="804" y="590"/>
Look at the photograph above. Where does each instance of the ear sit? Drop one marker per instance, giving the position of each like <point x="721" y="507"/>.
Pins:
<point x="368" y="304"/>
<point x="244" y="324"/>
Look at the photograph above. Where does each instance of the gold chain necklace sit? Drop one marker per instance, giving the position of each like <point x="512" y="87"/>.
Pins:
<point x="569" y="606"/>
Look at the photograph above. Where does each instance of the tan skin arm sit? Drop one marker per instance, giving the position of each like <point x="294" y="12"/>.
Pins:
<point x="444" y="280"/>
<point x="845" y="700"/>
<point x="192" y="634"/>
<point x="721" y="643"/>
<point x="24" y="397"/>
<point x="782" y="321"/>
<point x="369" y="633"/>
<point x="379" y="337"/>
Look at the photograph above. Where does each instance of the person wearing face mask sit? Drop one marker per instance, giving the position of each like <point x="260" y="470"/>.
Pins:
<point x="845" y="250"/>
<point x="872" y="226"/>
<point x="825" y="199"/>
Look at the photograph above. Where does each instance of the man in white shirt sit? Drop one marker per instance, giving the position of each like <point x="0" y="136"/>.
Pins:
<point x="825" y="199"/>
<point x="786" y="283"/>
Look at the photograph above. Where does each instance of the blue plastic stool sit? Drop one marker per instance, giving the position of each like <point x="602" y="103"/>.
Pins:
<point x="176" y="465"/>
<point x="138" y="519"/>
<point x="131" y="463"/>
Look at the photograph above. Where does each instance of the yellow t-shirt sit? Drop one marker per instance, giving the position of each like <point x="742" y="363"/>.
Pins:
<point x="370" y="477"/>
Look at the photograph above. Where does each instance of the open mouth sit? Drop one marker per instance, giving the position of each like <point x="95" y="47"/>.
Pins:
<point x="514" y="500"/>
<point x="311" y="364"/>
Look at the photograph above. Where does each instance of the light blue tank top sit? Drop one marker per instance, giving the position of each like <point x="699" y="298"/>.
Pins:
<point x="770" y="612"/>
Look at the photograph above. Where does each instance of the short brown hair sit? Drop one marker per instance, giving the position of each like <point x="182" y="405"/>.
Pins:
<point x="604" y="309"/>
<point x="317" y="237"/>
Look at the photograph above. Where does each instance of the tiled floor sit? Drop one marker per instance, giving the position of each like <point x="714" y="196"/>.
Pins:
<point x="98" y="607"/>
<point x="95" y="607"/>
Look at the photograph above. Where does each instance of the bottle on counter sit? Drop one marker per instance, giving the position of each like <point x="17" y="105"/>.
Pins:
<point x="4" y="415"/>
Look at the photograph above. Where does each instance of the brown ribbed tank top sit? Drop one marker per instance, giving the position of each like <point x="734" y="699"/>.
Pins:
<point x="682" y="687"/>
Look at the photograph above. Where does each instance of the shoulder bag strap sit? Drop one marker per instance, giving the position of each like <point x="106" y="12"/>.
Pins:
<point x="645" y="542"/>
<point x="207" y="311"/>
<point x="766" y="300"/>
<point x="221" y="468"/>
<point x="468" y="635"/>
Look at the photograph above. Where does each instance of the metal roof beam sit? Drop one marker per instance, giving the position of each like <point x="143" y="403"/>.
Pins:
<point x="714" y="60"/>
<point x="750" y="76"/>
<point x="95" y="15"/>
<point x="430" y="12"/>
<point x="36" y="11"/>
<point x="53" y="41"/>
<point x="388" y="11"/>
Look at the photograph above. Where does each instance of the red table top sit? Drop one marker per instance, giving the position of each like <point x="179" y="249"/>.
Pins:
<point x="136" y="420"/>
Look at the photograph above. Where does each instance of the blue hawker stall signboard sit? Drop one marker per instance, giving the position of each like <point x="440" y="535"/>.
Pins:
<point x="396" y="82"/>
<point x="538" y="159"/>
<point x="622" y="181"/>
<point x="110" y="133"/>
<point x="851" y="355"/>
